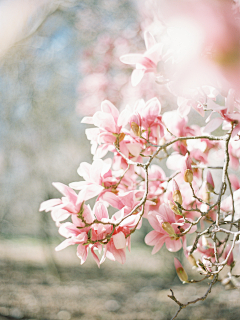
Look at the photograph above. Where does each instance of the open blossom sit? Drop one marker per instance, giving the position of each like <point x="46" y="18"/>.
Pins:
<point x="68" y="205"/>
<point x="166" y="227"/>
<point x="230" y="113"/>
<point x="146" y="120"/>
<point x="109" y="123"/>
<point x="146" y="62"/>
<point x="94" y="236"/>
<point x="97" y="176"/>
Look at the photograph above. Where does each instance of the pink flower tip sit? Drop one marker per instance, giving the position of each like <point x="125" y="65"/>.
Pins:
<point x="210" y="182"/>
<point x="182" y="275"/>
<point x="175" y="185"/>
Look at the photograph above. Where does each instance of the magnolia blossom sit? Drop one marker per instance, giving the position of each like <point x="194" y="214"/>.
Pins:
<point x="167" y="228"/>
<point x="146" y="62"/>
<point x="109" y="123"/>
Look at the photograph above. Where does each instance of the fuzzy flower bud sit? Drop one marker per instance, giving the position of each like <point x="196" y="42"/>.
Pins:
<point x="188" y="176"/>
<point x="173" y="207"/>
<point x="187" y="169"/>
<point x="210" y="183"/>
<point x="182" y="275"/>
<point x="205" y="192"/>
<point x="177" y="197"/>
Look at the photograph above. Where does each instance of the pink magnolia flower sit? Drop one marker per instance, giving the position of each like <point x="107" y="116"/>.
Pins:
<point x="110" y="123"/>
<point x="78" y="236"/>
<point x="68" y="205"/>
<point x="147" y="120"/>
<point x="166" y="227"/>
<point x="94" y="236"/>
<point x="230" y="113"/>
<point x="146" y="62"/>
<point x="97" y="176"/>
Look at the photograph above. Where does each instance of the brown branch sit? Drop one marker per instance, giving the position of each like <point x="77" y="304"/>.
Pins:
<point x="184" y="305"/>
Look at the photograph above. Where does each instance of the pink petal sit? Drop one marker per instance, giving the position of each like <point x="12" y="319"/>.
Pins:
<point x="84" y="170"/>
<point x="108" y="107"/>
<point x="59" y="214"/>
<point x="213" y="125"/>
<point x="153" y="108"/>
<point x="177" y="264"/>
<point x="100" y="211"/>
<point x="82" y="252"/>
<point x="88" y="120"/>
<point x="68" y="229"/>
<point x="173" y="245"/>
<point x="132" y="58"/>
<point x="152" y="238"/>
<point x="149" y="40"/>
<point x="119" y="240"/>
<point x="120" y="255"/>
<point x="134" y="148"/>
<point x="78" y="185"/>
<point x="95" y="257"/>
<point x="166" y="213"/>
<point x="137" y="76"/>
<point x="152" y="219"/>
<point x="105" y="121"/>
<point x="183" y="107"/>
<point x="65" y="190"/>
<point x="89" y="192"/>
<point x="65" y="244"/>
<point x="159" y="245"/>
<point x="101" y="151"/>
<point x="123" y="118"/>
<point x="113" y="200"/>
<point x="47" y="205"/>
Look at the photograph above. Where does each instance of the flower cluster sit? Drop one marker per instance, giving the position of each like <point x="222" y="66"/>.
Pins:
<point x="197" y="193"/>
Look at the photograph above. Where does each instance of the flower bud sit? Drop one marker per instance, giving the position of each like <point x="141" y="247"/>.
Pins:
<point x="210" y="183"/>
<point x="136" y="129"/>
<point x="176" y="193"/>
<point x="169" y="229"/>
<point x="173" y="207"/>
<point x="188" y="176"/>
<point x="205" y="192"/>
<point x="182" y="275"/>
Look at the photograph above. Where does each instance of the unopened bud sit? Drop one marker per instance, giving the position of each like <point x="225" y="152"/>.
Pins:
<point x="210" y="182"/>
<point x="182" y="275"/>
<point x="188" y="176"/>
<point x="177" y="196"/>
<point x="176" y="193"/>
<point x="169" y="229"/>
<point x="173" y="207"/>
<point x="205" y="192"/>
<point x="136" y="129"/>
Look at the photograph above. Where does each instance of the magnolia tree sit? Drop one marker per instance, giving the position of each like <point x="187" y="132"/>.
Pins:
<point x="192" y="49"/>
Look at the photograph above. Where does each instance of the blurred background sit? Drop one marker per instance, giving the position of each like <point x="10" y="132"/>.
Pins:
<point x="58" y="60"/>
